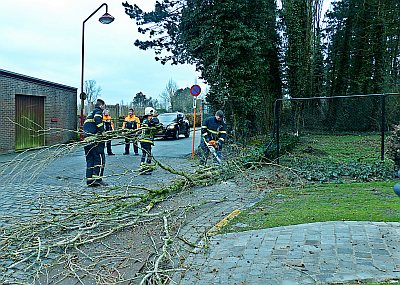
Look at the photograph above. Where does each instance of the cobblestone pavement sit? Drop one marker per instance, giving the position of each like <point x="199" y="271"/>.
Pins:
<point x="49" y="178"/>
<point x="54" y="179"/>
<point x="318" y="253"/>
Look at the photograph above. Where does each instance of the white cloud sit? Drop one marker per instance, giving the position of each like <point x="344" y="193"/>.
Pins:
<point x="42" y="38"/>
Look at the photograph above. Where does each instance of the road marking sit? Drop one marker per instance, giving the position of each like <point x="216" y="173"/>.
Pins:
<point x="218" y="226"/>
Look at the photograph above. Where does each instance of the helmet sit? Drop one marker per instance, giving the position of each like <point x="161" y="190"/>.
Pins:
<point x="149" y="111"/>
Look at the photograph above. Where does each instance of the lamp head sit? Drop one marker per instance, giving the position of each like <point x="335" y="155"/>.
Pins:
<point x="106" y="19"/>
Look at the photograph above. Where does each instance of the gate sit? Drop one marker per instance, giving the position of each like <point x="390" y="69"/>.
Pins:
<point x="29" y="122"/>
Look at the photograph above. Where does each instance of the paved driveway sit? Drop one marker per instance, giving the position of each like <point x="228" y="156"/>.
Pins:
<point x="52" y="179"/>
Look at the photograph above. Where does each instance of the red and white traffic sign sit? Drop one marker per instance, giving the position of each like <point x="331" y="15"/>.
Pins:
<point x="195" y="90"/>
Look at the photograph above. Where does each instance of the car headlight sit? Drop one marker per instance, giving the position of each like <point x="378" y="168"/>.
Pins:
<point x="171" y="127"/>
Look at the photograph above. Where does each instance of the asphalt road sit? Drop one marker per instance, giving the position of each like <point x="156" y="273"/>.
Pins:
<point x="35" y="173"/>
<point x="167" y="147"/>
<point x="163" y="147"/>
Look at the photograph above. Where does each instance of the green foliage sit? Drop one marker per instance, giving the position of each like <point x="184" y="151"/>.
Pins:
<point x="298" y="27"/>
<point x="236" y="47"/>
<point x="261" y="151"/>
<point x="182" y="100"/>
<point x="140" y="101"/>
<point x="161" y="25"/>
<point x="287" y="143"/>
<point x="360" y="54"/>
<point x="393" y="148"/>
<point x="323" y="158"/>
<point x="328" y="171"/>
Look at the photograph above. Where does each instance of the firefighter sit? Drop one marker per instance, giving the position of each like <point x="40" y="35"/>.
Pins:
<point x="131" y="122"/>
<point x="213" y="132"/>
<point x="108" y="126"/>
<point x="94" y="151"/>
<point x="150" y="126"/>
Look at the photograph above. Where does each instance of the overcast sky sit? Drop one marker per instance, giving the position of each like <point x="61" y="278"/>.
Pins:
<point x="43" y="38"/>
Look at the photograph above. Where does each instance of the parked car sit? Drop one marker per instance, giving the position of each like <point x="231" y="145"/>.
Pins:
<point x="174" y="125"/>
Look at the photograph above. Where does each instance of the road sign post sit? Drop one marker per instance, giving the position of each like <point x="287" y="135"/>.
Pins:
<point x="195" y="90"/>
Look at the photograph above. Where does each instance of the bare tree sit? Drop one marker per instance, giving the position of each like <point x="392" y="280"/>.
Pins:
<point x="168" y="93"/>
<point x="92" y="91"/>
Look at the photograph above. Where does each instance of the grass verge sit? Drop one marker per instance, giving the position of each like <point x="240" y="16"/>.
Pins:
<point x="373" y="201"/>
<point x="346" y="181"/>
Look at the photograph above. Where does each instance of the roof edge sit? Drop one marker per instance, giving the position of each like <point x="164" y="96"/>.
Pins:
<point x="11" y="74"/>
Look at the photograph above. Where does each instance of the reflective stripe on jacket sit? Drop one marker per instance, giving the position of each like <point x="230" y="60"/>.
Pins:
<point x="94" y="122"/>
<point x="212" y="129"/>
<point x="150" y="126"/>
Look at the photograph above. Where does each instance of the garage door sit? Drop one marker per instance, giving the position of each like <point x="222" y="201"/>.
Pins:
<point x="29" y="118"/>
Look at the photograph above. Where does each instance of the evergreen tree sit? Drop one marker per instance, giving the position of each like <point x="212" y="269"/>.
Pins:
<point x="233" y="44"/>
<point x="358" y="59"/>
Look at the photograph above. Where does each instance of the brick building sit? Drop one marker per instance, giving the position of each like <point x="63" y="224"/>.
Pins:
<point x="35" y="112"/>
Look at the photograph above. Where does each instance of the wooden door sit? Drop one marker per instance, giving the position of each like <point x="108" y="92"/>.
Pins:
<point x="29" y="119"/>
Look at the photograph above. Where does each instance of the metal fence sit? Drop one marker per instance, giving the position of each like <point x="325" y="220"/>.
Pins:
<point x="337" y="115"/>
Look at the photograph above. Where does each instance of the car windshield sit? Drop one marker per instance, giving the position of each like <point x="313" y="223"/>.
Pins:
<point x="167" y="118"/>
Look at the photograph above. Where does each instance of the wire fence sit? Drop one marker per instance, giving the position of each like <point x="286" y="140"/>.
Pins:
<point x="355" y="114"/>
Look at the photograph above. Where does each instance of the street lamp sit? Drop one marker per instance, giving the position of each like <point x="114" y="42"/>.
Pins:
<point x="105" y="19"/>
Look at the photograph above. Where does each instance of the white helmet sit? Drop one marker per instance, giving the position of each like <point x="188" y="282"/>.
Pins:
<point x="149" y="111"/>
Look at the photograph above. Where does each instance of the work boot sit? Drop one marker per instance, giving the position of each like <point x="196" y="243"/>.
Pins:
<point x="111" y="153"/>
<point x="142" y="167"/>
<point x="145" y="168"/>
<point x="93" y="184"/>
<point x="126" y="153"/>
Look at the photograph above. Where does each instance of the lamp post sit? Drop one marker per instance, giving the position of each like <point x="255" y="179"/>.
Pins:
<point x="105" y="19"/>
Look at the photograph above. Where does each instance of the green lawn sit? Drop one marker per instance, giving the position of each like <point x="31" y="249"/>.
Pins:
<point x="339" y="158"/>
<point x="340" y="148"/>
<point x="372" y="201"/>
<point x="345" y="181"/>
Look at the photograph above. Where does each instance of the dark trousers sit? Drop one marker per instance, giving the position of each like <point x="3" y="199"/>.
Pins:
<point x="128" y="143"/>
<point x="108" y="144"/>
<point x="95" y="162"/>
<point x="146" y="152"/>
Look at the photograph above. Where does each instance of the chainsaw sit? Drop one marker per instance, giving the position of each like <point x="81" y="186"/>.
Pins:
<point x="212" y="145"/>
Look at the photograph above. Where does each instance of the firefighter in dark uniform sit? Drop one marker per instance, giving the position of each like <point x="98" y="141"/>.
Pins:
<point x="150" y="126"/>
<point x="108" y="126"/>
<point x="94" y="150"/>
<point x="213" y="130"/>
